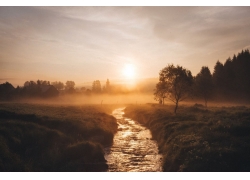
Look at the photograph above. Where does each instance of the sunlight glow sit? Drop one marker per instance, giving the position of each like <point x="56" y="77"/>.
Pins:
<point x="129" y="71"/>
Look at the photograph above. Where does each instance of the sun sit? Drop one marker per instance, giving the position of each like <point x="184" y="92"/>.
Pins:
<point x="129" y="71"/>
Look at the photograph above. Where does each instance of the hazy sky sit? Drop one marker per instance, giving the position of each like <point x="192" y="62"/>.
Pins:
<point x="89" y="43"/>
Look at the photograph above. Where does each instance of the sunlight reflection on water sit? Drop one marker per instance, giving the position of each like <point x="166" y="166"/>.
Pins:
<point x="132" y="149"/>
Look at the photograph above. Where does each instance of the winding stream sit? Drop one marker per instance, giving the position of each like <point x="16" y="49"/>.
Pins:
<point x="132" y="149"/>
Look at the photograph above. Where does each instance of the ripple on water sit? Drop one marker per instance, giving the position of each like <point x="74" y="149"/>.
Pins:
<point x="133" y="148"/>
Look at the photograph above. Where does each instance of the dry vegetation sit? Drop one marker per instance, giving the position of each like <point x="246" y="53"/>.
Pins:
<point x="198" y="139"/>
<point x="42" y="137"/>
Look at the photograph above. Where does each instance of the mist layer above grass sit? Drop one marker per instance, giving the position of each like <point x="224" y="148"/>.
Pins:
<point x="37" y="137"/>
<point x="197" y="139"/>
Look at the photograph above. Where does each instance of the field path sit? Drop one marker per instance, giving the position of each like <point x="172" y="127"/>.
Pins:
<point x="132" y="149"/>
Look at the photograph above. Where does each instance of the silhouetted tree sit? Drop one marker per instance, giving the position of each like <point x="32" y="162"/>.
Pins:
<point x="31" y="89"/>
<point x="177" y="83"/>
<point x="228" y="79"/>
<point x="218" y="77"/>
<point x="160" y="92"/>
<point x="107" y="86"/>
<point x="41" y="82"/>
<point x="204" y="84"/>
<point x="241" y="69"/>
<point x="6" y="91"/>
<point x="26" y="84"/>
<point x="58" y="85"/>
<point x="39" y="88"/>
<point x="232" y="80"/>
<point x="96" y="86"/>
<point x="70" y="85"/>
<point x="45" y="83"/>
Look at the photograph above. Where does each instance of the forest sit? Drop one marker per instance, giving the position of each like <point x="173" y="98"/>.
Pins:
<point x="229" y="82"/>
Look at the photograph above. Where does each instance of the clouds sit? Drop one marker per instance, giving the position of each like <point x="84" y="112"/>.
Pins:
<point x="203" y="25"/>
<point x="90" y="37"/>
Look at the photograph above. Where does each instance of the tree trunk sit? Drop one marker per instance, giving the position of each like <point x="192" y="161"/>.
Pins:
<point x="176" y="106"/>
<point x="206" y="103"/>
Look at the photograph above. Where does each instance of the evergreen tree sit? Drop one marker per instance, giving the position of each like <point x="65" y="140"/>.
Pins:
<point x="204" y="84"/>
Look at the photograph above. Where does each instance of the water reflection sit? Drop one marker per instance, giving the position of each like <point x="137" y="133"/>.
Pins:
<point x="133" y="149"/>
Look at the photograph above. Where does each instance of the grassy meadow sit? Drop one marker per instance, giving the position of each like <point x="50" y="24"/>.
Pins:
<point x="45" y="137"/>
<point x="198" y="139"/>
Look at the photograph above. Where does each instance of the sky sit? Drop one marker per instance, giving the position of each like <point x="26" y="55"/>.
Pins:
<point x="84" y="44"/>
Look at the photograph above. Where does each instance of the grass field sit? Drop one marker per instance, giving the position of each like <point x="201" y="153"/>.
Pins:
<point x="42" y="137"/>
<point x="198" y="139"/>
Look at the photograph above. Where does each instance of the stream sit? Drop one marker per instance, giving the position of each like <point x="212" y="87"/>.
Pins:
<point x="133" y="149"/>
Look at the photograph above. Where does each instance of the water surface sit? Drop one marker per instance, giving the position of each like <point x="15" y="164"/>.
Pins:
<point x="132" y="149"/>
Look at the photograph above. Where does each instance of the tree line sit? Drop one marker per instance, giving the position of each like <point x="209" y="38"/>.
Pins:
<point x="39" y="88"/>
<point x="228" y="82"/>
<point x="47" y="89"/>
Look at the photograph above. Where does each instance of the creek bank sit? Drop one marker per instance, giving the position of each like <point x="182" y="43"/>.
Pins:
<point x="196" y="139"/>
<point x="45" y="138"/>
